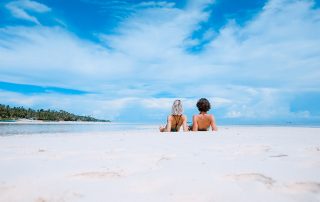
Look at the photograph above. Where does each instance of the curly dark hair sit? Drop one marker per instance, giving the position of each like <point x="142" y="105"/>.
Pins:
<point x="203" y="105"/>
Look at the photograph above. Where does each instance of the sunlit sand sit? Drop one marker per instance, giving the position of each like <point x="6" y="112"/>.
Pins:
<point x="233" y="164"/>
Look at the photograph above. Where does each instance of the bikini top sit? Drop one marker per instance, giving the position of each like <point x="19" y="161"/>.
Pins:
<point x="175" y="129"/>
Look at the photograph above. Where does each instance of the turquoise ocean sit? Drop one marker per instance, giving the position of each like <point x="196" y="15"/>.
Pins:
<point x="16" y="128"/>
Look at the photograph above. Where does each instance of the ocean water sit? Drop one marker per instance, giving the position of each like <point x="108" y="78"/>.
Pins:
<point x="16" y="128"/>
<point x="29" y="128"/>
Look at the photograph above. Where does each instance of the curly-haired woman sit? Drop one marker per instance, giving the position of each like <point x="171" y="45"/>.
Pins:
<point x="203" y="120"/>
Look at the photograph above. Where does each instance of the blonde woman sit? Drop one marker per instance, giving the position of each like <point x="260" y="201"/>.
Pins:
<point x="176" y="119"/>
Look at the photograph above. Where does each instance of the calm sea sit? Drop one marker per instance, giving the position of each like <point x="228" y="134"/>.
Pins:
<point x="15" y="128"/>
<point x="18" y="128"/>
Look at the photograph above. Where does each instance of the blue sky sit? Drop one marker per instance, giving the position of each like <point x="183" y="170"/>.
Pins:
<point x="258" y="62"/>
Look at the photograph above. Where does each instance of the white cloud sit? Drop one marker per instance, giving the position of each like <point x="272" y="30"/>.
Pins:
<point x="134" y="51"/>
<point x="52" y="56"/>
<point x="19" y="9"/>
<point x="156" y="4"/>
<point x="90" y="104"/>
<point x="271" y="49"/>
<point x="234" y="114"/>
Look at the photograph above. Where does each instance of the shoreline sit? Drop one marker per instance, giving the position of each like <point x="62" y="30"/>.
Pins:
<point x="40" y="122"/>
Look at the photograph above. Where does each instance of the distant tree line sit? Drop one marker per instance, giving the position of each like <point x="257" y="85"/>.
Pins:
<point x="13" y="113"/>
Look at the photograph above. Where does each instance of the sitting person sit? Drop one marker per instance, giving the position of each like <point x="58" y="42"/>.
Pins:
<point x="202" y="121"/>
<point x="176" y="119"/>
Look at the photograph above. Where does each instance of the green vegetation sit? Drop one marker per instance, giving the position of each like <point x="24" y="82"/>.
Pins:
<point x="14" y="113"/>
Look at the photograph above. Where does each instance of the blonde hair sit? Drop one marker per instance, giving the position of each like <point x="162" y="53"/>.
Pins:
<point x="177" y="108"/>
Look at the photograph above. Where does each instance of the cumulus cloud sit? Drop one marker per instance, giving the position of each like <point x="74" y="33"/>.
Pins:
<point x="248" y="71"/>
<point x="19" y="9"/>
<point x="270" y="47"/>
<point x="157" y="4"/>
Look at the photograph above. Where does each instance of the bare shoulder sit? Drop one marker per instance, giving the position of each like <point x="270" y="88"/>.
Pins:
<point x="184" y="117"/>
<point x="211" y="117"/>
<point x="170" y="117"/>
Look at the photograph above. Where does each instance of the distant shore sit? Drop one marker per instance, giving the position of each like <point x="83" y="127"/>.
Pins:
<point x="30" y="121"/>
<point x="10" y="114"/>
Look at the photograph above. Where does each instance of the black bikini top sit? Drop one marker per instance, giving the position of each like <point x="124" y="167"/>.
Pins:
<point x="175" y="129"/>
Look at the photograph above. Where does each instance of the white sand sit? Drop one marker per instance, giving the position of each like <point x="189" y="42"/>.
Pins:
<point x="235" y="164"/>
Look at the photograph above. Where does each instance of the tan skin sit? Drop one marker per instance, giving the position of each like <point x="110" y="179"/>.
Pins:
<point x="204" y="121"/>
<point x="172" y="122"/>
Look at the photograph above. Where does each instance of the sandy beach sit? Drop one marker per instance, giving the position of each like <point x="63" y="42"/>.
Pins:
<point x="234" y="164"/>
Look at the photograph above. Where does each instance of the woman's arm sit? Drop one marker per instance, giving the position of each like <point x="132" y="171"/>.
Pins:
<point x="195" y="123"/>
<point x="213" y="124"/>
<point x="184" y="124"/>
<point x="168" y="128"/>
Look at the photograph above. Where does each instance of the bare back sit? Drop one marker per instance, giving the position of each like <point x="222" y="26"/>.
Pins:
<point x="175" y="122"/>
<point x="202" y="122"/>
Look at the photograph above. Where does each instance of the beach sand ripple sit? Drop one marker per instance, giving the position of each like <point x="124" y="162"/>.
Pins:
<point x="268" y="181"/>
